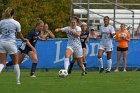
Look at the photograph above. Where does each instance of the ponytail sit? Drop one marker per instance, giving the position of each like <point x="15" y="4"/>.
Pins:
<point x="8" y="13"/>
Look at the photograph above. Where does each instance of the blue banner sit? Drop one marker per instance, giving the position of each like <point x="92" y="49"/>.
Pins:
<point x="51" y="54"/>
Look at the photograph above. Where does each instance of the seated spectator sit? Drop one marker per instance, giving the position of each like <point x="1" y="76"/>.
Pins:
<point x="93" y="34"/>
<point x="46" y="33"/>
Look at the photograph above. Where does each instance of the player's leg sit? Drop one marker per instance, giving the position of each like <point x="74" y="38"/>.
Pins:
<point x="109" y="61"/>
<point x="84" y="56"/>
<point x="124" y="60"/>
<point x="100" y="60"/>
<point x="2" y="60"/>
<point x="34" y="59"/>
<point x="20" y="57"/>
<point x="71" y="65"/>
<point x="81" y="65"/>
<point x="68" y="53"/>
<point x="118" y="61"/>
<point x="78" y="52"/>
<point x="16" y="67"/>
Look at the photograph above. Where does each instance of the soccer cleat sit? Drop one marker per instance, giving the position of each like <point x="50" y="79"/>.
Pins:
<point x="18" y="83"/>
<point x="101" y="70"/>
<point x="33" y="76"/>
<point x="83" y="73"/>
<point x="124" y="70"/>
<point x="116" y="70"/>
<point x="107" y="71"/>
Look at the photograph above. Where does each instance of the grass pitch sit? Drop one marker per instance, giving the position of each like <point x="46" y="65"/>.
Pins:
<point x="93" y="82"/>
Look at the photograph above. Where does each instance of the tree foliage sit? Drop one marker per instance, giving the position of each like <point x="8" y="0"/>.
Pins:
<point x="54" y="12"/>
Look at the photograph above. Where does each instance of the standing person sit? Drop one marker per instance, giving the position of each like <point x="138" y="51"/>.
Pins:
<point x="8" y="29"/>
<point x="74" y="45"/>
<point x="29" y="48"/>
<point x="138" y="31"/>
<point x="84" y="39"/>
<point x="122" y="38"/>
<point x="46" y="33"/>
<point x="107" y="32"/>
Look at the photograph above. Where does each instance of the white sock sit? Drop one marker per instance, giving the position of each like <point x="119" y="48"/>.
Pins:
<point x="1" y="67"/>
<point x="109" y="64"/>
<point x="17" y="72"/>
<point x="66" y="63"/>
<point x="83" y="68"/>
<point x="101" y="62"/>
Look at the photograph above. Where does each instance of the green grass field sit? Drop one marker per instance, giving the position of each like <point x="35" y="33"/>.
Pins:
<point x="93" y="82"/>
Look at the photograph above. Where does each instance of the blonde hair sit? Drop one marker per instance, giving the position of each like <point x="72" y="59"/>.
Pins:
<point x="38" y="21"/>
<point x="8" y="13"/>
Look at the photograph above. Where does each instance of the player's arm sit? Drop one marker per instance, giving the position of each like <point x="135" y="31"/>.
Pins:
<point x="117" y="38"/>
<point x="51" y="35"/>
<point x="76" y="33"/>
<point x="87" y="39"/>
<point x="127" y="37"/>
<point x="21" y="36"/>
<point x="29" y="45"/>
<point x="58" y="30"/>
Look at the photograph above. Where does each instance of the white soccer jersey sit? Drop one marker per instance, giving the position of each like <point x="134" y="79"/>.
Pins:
<point x="73" y="41"/>
<point x="8" y="29"/>
<point x="106" y="40"/>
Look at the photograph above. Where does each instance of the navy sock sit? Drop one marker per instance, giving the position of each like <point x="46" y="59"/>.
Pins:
<point x="10" y="63"/>
<point x="33" y="68"/>
<point x="70" y="67"/>
<point x="85" y="65"/>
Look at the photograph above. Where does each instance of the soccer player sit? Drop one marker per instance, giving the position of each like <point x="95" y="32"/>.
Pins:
<point x="8" y="29"/>
<point x="74" y="46"/>
<point x="122" y="38"/>
<point x="29" y="48"/>
<point x="84" y="39"/>
<point x="107" y="32"/>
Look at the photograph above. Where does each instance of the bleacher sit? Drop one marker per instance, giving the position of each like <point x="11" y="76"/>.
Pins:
<point x="121" y="16"/>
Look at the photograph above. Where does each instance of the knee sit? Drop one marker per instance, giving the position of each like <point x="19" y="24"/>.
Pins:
<point x="35" y="60"/>
<point x="99" y="56"/>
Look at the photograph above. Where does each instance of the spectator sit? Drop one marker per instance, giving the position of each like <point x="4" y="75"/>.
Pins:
<point x="93" y="34"/>
<point x="122" y="38"/>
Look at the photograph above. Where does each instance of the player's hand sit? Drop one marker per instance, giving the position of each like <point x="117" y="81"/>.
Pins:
<point x="57" y="30"/>
<point x="82" y="40"/>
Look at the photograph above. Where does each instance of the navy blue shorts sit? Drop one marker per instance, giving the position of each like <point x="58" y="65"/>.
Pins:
<point x="25" y="50"/>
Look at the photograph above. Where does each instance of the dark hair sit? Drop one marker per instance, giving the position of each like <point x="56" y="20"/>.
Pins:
<point x="12" y="12"/>
<point x="106" y="17"/>
<point x="75" y="18"/>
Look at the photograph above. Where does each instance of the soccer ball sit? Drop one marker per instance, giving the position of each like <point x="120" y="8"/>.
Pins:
<point x="62" y="73"/>
<point x="123" y="35"/>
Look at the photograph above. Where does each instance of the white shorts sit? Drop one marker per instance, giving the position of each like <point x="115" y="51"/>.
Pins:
<point x="102" y="47"/>
<point x="77" y="52"/>
<point x="8" y="47"/>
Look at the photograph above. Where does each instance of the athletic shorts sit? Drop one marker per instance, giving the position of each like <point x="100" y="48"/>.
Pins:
<point x="24" y="49"/>
<point x="83" y="45"/>
<point x="77" y="51"/>
<point x="122" y="49"/>
<point x="105" y="48"/>
<point x="8" y="47"/>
